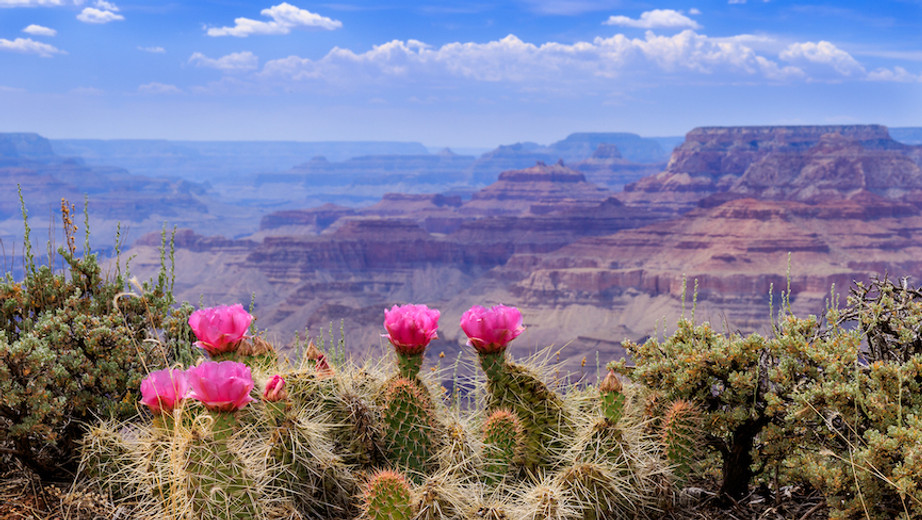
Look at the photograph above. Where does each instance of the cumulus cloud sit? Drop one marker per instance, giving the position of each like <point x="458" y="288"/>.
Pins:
<point x="152" y="50"/>
<point x="822" y="53"/>
<point x="896" y="74"/>
<point x="545" y="66"/>
<point x="103" y="12"/>
<point x="93" y="15"/>
<point x="29" y="46"/>
<point x="38" y="30"/>
<point x="655" y="19"/>
<point x="284" y="18"/>
<point x="233" y="62"/>
<point x="158" y="88"/>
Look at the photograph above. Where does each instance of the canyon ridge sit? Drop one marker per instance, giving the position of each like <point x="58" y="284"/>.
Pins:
<point x="737" y="216"/>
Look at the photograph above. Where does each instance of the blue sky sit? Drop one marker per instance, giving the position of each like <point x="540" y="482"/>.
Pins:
<point x="466" y="74"/>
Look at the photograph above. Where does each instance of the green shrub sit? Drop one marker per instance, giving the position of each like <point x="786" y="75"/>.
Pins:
<point x="73" y="349"/>
<point x="742" y="386"/>
<point x="864" y="416"/>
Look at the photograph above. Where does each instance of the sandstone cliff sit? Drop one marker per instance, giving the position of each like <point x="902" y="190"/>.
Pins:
<point x="589" y="267"/>
<point x="781" y="163"/>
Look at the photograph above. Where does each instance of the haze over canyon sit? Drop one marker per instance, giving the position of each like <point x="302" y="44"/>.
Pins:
<point x="591" y="237"/>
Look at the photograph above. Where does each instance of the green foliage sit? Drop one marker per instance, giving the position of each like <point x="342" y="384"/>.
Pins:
<point x="72" y="348"/>
<point x="863" y="419"/>
<point x="742" y="385"/>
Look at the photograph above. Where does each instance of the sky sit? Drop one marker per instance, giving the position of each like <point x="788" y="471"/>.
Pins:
<point x="447" y="73"/>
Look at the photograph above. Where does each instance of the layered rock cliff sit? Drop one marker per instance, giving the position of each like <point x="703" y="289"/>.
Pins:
<point x="750" y="210"/>
<point x="781" y="163"/>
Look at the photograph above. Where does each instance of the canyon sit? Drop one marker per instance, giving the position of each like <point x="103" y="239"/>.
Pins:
<point x="594" y="245"/>
<point x="743" y="222"/>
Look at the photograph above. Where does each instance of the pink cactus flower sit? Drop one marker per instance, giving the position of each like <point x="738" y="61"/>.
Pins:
<point x="490" y="330"/>
<point x="162" y="390"/>
<point x="221" y="386"/>
<point x="410" y="327"/>
<point x="275" y="389"/>
<point x="220" y="329"/>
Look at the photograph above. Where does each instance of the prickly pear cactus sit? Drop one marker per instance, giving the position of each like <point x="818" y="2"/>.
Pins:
<point x="680" y="434"/>
<point x="220" y="486"/>
<point x="439" y="499"/>
<point x="504" y="446"/>
<point x="409" y="427"/>
<point x="322" y="397"/>
<point x="596" y="493"/>
<point x="611" y="397"/>
<point x="109" y="460"/>
<point x="307" y="469"/>
<point x="515" y="388"/>
<point x="388" y="497"/>
<point x="545" y="501"/>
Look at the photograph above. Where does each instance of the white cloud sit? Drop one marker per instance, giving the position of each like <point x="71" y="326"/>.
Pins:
<point x="694" y="11"/>
<point x="93" y="15"/>
<point x="38" y="30"/>
<point x="152" y="50"/>
<point x="547" y="66"/>
<point x="29" y="3"/>
<point x="29" y="46"/>
<point x="158" y="88"/>
<point x="897" y="74"/>
<point x="822" y="53"/>
<point x="655" y="19"/>
<point x="233" y="62"/>
<point x="285" y="17"/>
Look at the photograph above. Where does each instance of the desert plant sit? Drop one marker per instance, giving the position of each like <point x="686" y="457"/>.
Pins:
<point x="388" y="496"/>
<point x="511" y="386"/>
<point x="741" y="385"/>
<point x="73" y="349"/>
<point x="862" y="420"/>
<point x="504" y="446"/>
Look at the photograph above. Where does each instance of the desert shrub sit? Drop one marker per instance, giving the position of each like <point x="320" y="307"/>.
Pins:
<point x="73" y="348"/>
<point x="865" y="412"/>
<point x="743" y="386"/>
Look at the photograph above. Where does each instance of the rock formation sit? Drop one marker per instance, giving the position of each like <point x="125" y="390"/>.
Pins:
<point x="781" y="163"/>
<point x="749" y="209"/>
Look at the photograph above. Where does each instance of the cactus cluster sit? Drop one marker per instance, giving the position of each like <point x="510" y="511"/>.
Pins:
<point x="231" y="440"/>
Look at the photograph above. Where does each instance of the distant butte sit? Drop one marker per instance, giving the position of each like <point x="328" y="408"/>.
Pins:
<point x="781" y="163"/>
<point x="590" y="267"/>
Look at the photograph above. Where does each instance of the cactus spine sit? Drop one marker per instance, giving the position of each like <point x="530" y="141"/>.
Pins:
<point x="409" y="426"/>
<point x="680" y="433"/>
<point x="388" y="497"/>
<point x="503" y="445"/>
<point x="611" y="397"/>
<point x="219" y="484"/>
<point x="513" y="387"/>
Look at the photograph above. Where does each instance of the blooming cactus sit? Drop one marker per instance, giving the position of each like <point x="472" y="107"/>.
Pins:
<point x="410" y="327"/>
<point x="275" y="389"/>
<point x="221" y="386"/>
<point x="219" y="329"/>
<point x="491" y="330"/>
<point x="162" y="390"/>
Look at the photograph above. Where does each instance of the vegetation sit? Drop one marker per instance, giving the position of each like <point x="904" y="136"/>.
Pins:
<point x="833" y="405"/>
<point x="73" y="349"/>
